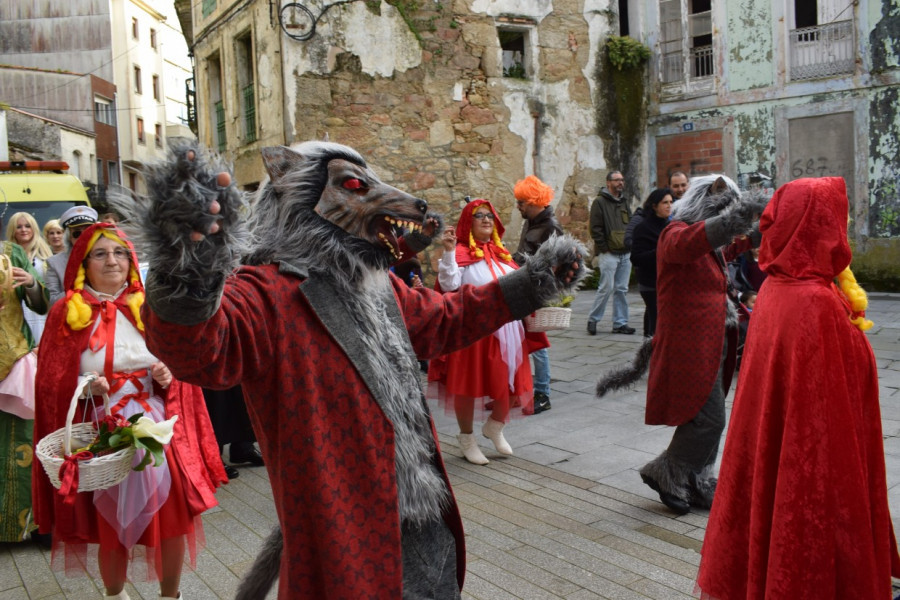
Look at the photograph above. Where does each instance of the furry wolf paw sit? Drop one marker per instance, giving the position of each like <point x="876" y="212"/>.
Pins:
<point x="557" y="266"/>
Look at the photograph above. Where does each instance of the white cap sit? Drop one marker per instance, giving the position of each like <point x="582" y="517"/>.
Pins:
<point x="78" y="215"/>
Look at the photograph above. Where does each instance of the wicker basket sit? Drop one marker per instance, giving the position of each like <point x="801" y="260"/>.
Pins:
<point x="548" y="318"/>
<point x="96" y="473"/>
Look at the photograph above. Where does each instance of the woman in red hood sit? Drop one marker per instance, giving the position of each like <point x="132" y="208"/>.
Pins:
<point x="801" y="508"/>
<point x="495" y="369"/>
<point x="153" y="513"/>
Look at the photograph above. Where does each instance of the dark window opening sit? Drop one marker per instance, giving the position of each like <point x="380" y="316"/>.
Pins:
<point x="512" y="43"/>
<point x="805" y="13"/>
<point x="623" y="18"/>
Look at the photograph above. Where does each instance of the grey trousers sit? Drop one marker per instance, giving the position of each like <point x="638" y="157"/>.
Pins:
<point x="696" y="443"/>
<point x="429" y="562"/>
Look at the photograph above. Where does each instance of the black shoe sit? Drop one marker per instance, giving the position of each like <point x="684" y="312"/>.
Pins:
<point x="623" y="329"/>
<point x="541" y="402"/>
<point x="45" y="540"/>
<point x="592" y="328"/>
<point x="230" y="471"/>
<point x="247" y="454"/>
<point x="673" y="502"/>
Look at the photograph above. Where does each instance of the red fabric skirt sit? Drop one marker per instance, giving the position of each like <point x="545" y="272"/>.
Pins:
<point x="478" y="372"/>
<point x="76" y="544"/>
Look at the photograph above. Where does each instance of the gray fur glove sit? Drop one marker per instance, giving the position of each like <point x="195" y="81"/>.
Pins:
<point x="736" y="219"/>
<point x="555" y="269"/>
<point x="187" y="274"/>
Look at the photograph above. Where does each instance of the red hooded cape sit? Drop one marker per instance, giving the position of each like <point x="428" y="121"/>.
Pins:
<point x="194" y="442"/>
<point x="801" y="507"/>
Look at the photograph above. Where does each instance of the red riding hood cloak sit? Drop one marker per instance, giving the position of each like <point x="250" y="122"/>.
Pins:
<point x="58" y="368"/>
<point x="801" y="507"/>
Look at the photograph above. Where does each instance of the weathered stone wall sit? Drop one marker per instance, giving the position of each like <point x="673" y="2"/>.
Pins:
<point x="433" y="113"/>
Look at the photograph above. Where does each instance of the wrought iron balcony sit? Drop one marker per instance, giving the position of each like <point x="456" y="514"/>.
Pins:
<point x="702" y="64"/>
<point x="822" y="51"/>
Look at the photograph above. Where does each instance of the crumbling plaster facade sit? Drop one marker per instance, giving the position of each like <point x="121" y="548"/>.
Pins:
<point x="424" y="98"/>
<point x="772" y="124"/>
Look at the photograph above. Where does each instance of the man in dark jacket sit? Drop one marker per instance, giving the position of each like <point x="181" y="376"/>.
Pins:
<point x="609" y="218"/>
<point x="533" y="198"/>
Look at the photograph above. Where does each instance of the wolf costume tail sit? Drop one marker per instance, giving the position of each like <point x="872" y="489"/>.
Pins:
<point x="264" y="572"/>
<point x="622" y="377"/>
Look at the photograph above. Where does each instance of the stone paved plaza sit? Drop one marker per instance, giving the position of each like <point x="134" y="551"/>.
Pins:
<point x="566" y="517"/>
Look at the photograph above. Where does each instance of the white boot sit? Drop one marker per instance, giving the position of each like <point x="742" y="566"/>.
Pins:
<point x="493" y="430"/>
<point x="123" y="595"/>
<point x="178" y="597"/>
<point x="470" y="449"/>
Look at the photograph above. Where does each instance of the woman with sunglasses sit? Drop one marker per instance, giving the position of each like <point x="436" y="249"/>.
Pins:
<point x="143" y="527"/>
<point x="494" y="372"/>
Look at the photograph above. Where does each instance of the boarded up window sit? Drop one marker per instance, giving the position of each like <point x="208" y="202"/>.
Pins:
<point x="822" y="146"/>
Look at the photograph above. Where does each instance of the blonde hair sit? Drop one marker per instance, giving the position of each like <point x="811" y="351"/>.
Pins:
<point x="79" y="312"/>
<point x="857" y="298"/>
<point x="51" y="224"/>
<point x="37" y="247"/>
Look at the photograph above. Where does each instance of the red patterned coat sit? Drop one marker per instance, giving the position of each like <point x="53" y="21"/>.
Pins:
<point x="329" y="447"/>
<point x="691" y="288"/>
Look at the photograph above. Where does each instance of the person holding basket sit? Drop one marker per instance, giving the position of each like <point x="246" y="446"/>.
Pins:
<point x="142" y="527"/>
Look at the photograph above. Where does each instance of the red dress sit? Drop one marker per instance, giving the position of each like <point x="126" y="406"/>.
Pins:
<point x="801" y="507"/>
<point x="496" y="367"/>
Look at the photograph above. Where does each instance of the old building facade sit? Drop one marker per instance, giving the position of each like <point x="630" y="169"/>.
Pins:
<point x="449" y="99"/>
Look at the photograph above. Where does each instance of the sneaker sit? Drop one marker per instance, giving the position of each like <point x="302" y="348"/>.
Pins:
<point x="592" y="327"/>
<point x="541" y="402"/>
<point x="623" y="329"/>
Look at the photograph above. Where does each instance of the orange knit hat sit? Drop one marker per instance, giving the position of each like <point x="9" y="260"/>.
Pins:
<point x="532" y="190"/>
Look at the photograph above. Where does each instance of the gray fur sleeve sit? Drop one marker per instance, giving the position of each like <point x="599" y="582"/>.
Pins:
<point x="186" y="277"/>
<point x="539" y="281"/>
<point x="737" y="219"/>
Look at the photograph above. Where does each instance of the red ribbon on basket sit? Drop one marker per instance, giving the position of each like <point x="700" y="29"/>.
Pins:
<point x="68" y="476"/>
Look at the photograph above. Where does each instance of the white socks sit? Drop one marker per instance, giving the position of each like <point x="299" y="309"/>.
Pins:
<point x="493" y="430"/>
<point x="470" y="449"/>
<point x="123" y="595"/>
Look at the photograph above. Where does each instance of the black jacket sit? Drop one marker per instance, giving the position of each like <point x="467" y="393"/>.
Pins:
<point x="643" y="249"/>
<point x="535" y="232"/>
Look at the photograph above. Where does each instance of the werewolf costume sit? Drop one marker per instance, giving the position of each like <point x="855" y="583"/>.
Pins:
<point x="325" y="342"/>
<point x="693" y="351"/>
<point x="801" y="509"/>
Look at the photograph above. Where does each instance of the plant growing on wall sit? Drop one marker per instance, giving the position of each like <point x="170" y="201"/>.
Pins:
<point x="626" y="53"/>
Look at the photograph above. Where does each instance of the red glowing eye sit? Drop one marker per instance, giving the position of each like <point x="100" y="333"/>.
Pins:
<point x="352" y="184"/>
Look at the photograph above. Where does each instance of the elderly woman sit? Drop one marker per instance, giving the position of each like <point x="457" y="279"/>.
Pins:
<point x="493" y="371"/>
<point x="98" y="329"/>
<point x="23" y="230"/>
<point x="18" y="285"/>
<point x="55" y="236"/>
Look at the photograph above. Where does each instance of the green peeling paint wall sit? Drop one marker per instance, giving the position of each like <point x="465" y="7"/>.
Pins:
<point x="755" y="105"/>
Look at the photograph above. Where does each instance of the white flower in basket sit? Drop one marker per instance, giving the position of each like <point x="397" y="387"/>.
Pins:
<point x="107" y="456"/>
<point x="550" y="318"/>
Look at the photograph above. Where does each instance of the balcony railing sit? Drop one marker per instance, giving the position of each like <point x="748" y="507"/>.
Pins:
<point x="822" y="51"/>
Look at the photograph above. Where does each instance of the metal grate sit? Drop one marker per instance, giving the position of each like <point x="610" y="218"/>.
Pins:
<point x="702" y="64"/>
<point x="822" y="51"/>
<point x="220" y="125"/>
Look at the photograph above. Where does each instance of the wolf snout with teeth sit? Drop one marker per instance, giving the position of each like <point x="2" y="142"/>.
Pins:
<point x="364" y="206"/>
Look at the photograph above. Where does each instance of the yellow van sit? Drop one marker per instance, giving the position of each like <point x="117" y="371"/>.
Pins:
<point x="41" y="188"/>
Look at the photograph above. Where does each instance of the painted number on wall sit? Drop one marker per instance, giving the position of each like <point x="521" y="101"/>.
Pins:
<point x="810" y="167"/>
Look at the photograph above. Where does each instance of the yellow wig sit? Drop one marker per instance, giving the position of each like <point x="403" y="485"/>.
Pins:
<point x="78" y="312"/>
